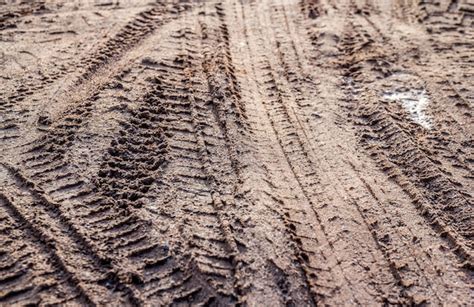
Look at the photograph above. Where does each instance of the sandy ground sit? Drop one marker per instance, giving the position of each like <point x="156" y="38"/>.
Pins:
<point x="255" y="153"/>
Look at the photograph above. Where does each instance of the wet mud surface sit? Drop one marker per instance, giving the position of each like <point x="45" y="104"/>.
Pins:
<point x="255" y="153"/>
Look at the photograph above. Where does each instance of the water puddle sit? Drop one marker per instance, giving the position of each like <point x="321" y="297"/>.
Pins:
<point x="415" y="102"/>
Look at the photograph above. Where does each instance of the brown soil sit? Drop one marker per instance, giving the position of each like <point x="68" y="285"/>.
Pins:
<point x="261" y="153"/>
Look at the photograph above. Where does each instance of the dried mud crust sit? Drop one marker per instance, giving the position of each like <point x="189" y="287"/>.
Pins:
<point x="236" y="153"/>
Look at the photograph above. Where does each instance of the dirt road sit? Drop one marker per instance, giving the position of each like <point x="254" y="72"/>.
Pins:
<point x="262" y="153"/>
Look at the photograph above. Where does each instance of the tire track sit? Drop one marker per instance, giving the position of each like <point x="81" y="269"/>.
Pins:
<point x="339" y="190"/>
<point x="96" y="70"/>
<point x="244" y="153"/>
<point x="124" y="234"/>
<point x="286" y="274"/>
<point x="62" y="136"/>
<point x="131" y="35"/>
<point x="405" y="276"/>
<point x="71" y="251"/>
<point x="192" y="145"/>
<point x="22" y="261"/>
<point x="449" y="93"/>
<point x="177" y="277"/>
<point x="290" y="218"/>
<point x="430" y="183"/>
<point x="42" y="83"/>
<point x="287" y="141"/>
